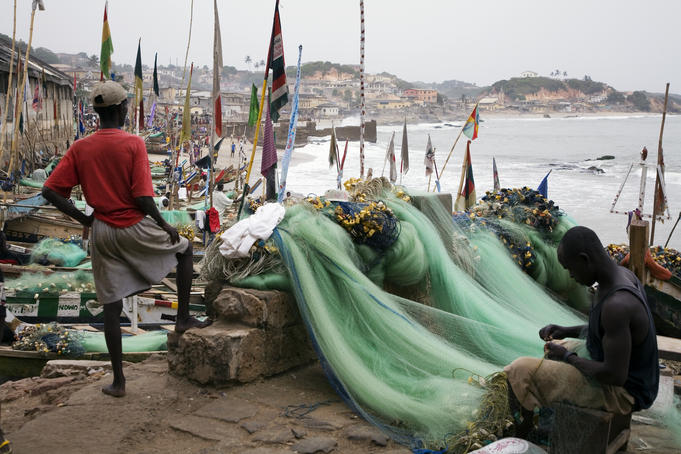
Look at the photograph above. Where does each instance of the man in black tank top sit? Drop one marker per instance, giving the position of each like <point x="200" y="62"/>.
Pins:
<point x="622" y="373"/>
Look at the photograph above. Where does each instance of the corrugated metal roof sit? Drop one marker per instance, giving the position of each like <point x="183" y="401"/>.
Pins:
<point x="35" y="66"/>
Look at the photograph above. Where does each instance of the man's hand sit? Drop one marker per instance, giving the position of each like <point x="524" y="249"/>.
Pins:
<point x="552" y="332"/>
<point x="174" y="236"/>
<point x="554" y="351"/>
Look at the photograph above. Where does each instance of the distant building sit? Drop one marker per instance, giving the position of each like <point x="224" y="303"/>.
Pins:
<point x="390" y="104"/>
<point x="489" y="103"/>
<point x="328" y="110"/>
<point x="56" y="96"/>
<point x="529" y="74"/>
<point x="422" y="96"/>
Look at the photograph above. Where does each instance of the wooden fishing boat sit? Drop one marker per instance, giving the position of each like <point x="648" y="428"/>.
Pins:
<point x="665" y="304"/>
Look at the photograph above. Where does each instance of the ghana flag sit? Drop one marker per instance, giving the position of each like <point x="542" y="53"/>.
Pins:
<point x="107" y="48"/>
<point x="275" y="60"/>
<point x="471" y="126"/>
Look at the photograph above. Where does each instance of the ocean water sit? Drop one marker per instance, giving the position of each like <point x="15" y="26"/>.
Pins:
<point x="525" y="150"/>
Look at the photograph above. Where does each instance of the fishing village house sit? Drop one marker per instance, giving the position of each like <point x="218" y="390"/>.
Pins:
<point x="421" y="95"/>
<point x="327" y="111"/>
<point x="235" y="106"/>
<point x="529" y="74"/>
<point x="489" y="103"/>
<point x="56" y="97"/>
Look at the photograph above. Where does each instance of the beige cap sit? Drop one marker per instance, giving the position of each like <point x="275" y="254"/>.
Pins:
<point x="108" y="93"/>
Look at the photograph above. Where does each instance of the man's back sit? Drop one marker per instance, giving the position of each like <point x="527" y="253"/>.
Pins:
<point x="625" y="304"/>
<point x="112" y="168"/>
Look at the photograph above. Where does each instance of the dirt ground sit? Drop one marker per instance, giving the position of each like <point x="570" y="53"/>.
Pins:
<point x="296" y="411"/>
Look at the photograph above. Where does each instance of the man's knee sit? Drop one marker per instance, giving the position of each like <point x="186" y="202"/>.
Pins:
<point x="187" y="252"/>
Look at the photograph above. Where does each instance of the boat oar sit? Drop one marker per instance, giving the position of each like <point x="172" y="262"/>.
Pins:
<point x="673" y="228"/>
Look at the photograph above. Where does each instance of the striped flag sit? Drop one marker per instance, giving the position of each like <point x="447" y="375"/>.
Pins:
<point x="139" y="94"/>
<point x="497" y="186"/>
<point x="471" y="126"/>
<point x="275" y="59"/>
<point x="107" y="48"/>
<point x="217" y="66"/>
<point x="466" y="198"/>
<point x="269" y="150"/>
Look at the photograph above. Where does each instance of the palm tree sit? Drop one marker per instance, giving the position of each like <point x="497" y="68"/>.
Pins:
<point x="262" y="62"/>
<point x="565" y="74"/>
<point x="248" y="61"/>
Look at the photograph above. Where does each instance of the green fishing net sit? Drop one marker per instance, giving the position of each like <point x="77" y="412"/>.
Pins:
<point x="148" y="342"/>
<point x="60" y="282"/>
<point x="51" y="251"/>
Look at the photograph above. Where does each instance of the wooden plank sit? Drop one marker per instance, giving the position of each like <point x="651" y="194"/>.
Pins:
<point x="128" y="330"/>
<point x="168" y="327"/>
<point x="170" y="284"/>
<point x="669" y="348"/>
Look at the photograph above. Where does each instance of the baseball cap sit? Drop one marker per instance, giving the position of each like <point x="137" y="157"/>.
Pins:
<point x="108" y="93"/>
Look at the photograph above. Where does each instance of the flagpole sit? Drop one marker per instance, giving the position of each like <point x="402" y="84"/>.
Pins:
<point x="463" y="175"/>
<point x="455" y="142"/>
<point x="660" y="161"/>
<point x="9" y="83"/>
<point x="23" y="84"/>
<point x="257" y="125"/>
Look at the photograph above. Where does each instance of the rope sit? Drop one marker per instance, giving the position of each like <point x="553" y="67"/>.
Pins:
<point x="189" y="40"/>
<point x="302" y="410"/>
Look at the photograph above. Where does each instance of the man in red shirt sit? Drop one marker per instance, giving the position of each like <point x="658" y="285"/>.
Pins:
<point x="132" y="246"/>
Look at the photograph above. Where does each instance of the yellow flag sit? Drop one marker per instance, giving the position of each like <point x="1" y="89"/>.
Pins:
<point x="186" y="133"/>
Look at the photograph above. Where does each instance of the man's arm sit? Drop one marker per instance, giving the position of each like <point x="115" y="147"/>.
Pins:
<point x="66" y="207"/>
<point x="616" y="322"/>
<point x="147" y="205"/>
<point x="551" y="332"/>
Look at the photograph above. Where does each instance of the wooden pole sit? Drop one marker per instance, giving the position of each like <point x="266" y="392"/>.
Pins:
<point x="673" y="228"/>
<point x="638" y="245"/>
<point x="660" y="162"/>
<point x="9" y="83"/>
<point x="17" y="114"/>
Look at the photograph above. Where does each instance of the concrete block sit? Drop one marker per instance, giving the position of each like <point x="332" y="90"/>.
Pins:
<point x="268" y="309"/>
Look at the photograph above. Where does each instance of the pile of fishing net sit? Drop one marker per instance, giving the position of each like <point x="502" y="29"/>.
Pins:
<point x="38" y="283"/>
<point x="668" y="258"/>
<point x="182" y="221"/>
<point x="425" y="368"/>
<point x="531" y="227"/>
<point x="49" y="337"/>
<point x="51" y="251"/>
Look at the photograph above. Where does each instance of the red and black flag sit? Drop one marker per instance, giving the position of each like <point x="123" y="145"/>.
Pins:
<point x="275" y="60"/>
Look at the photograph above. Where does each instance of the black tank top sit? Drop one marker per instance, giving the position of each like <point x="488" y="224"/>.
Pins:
<point x="644" y="370"/>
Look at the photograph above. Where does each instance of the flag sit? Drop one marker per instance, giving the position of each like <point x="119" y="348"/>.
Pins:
<point x="497" y="186"/>
<point x="217" y="66"/>
<point x="390" y="156"/>
<point x="275" y="60"/>
<point x="107" y="48"/>
<point x="139" y="95"/>
<point x="543" y="187"/>
<point x="156" y="89"/>
<point x="253" y="111"/>
<point x="269" y="150"/>
<point x="466" y="198"/>
<point x="332" y="148"/>
<point x="470" y="128"/>
<point x="186" y="132"/>
<point x="405" y="150"/>
<point x="37" y="101"/>
<point x="429" y="161"/>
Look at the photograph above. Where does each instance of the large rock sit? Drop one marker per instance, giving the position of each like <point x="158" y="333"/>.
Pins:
<point x="256" y="334"/>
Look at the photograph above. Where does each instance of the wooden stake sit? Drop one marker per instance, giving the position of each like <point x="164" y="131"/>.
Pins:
<point x="9" y="83"/>
<point x="638" y="236"/>
<point x="673" y="228"/>
<point x="660" y="161"/>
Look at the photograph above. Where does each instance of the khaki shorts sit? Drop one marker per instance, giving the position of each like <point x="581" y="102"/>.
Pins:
<point x="129" y="260"/>
<point x="540" y="382"/>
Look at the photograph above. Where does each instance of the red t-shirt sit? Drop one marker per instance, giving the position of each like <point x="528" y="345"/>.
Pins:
<point x="112" y="168"/>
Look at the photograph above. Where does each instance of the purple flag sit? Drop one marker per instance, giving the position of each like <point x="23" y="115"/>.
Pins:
<point x="269" y="150"/>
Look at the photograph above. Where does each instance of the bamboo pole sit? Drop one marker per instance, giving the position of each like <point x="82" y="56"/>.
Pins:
<point x="673" y="228"/>
<point x="660" y="161"/>
<point x="9" y="83"/>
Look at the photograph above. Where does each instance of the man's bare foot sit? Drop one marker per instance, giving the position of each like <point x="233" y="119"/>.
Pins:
<point x="183" y="325"/>
<point x="114" y="390"/>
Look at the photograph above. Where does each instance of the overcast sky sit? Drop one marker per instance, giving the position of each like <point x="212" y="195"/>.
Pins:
<point x="628" y="44"/>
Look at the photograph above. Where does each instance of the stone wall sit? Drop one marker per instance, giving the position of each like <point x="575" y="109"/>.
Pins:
<point x="255" y="334"/>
